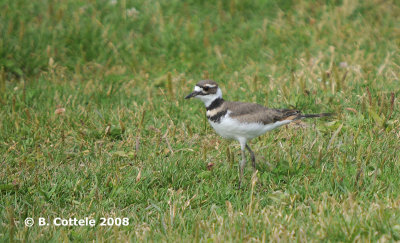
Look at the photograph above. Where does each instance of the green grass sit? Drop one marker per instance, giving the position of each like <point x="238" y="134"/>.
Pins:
<point x="129" y="145"/>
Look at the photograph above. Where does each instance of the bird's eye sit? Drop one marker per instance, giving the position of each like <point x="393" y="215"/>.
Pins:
<point x="205" y="88"/>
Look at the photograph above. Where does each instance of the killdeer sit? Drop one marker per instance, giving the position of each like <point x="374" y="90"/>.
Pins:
<point x="242" y="121"/>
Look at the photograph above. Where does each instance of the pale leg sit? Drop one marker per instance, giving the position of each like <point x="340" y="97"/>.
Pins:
<point x="253" y="157"/>
<point x="242" y="164"/>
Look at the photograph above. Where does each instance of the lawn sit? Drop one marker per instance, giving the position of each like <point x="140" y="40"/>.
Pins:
<point x="94" y="123"/>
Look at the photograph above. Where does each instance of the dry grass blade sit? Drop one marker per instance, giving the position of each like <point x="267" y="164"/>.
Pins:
<point x="335" y="134"/>
<point x="391" y="105"/>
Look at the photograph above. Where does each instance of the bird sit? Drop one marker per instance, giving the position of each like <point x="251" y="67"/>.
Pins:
<point x="242" y="121"/>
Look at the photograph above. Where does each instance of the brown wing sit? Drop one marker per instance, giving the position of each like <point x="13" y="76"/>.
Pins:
<point x="255" y="113"/>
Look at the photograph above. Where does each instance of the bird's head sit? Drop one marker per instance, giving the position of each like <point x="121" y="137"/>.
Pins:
<point x="207" y="91"/>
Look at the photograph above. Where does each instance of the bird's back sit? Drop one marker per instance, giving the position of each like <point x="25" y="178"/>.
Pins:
<point x="255" y="113"/>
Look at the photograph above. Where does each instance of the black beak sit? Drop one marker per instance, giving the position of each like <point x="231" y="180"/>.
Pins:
<point x="193" y="94"/>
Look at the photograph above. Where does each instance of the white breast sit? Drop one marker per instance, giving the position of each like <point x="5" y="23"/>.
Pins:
<point x="233" y="129"/>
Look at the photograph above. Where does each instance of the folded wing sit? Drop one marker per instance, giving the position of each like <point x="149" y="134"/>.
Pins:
<point x="255" y="113"/>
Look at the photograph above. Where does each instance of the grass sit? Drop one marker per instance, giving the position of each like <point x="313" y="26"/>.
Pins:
<point x="129" y="145"/>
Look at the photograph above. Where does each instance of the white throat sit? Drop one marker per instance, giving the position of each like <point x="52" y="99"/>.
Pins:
<point x="208" y="99"/>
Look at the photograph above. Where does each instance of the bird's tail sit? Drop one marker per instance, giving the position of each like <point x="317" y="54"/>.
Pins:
<point x="315" y="115"/>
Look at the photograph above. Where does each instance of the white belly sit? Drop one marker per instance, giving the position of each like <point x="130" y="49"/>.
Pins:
<point x="233" y="129"/>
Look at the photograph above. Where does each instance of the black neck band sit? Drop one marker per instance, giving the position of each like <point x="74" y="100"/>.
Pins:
<point x="216" y="103"/>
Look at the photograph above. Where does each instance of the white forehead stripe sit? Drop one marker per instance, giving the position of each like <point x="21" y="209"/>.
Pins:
<point x="210" y="85"/>
<point x="197" y="88"/>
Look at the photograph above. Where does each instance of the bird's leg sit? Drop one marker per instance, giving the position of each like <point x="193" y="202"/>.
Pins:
<point x="242" y="165"/>
<point x="243" y="162"/>
<point x="253" y="157"/>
